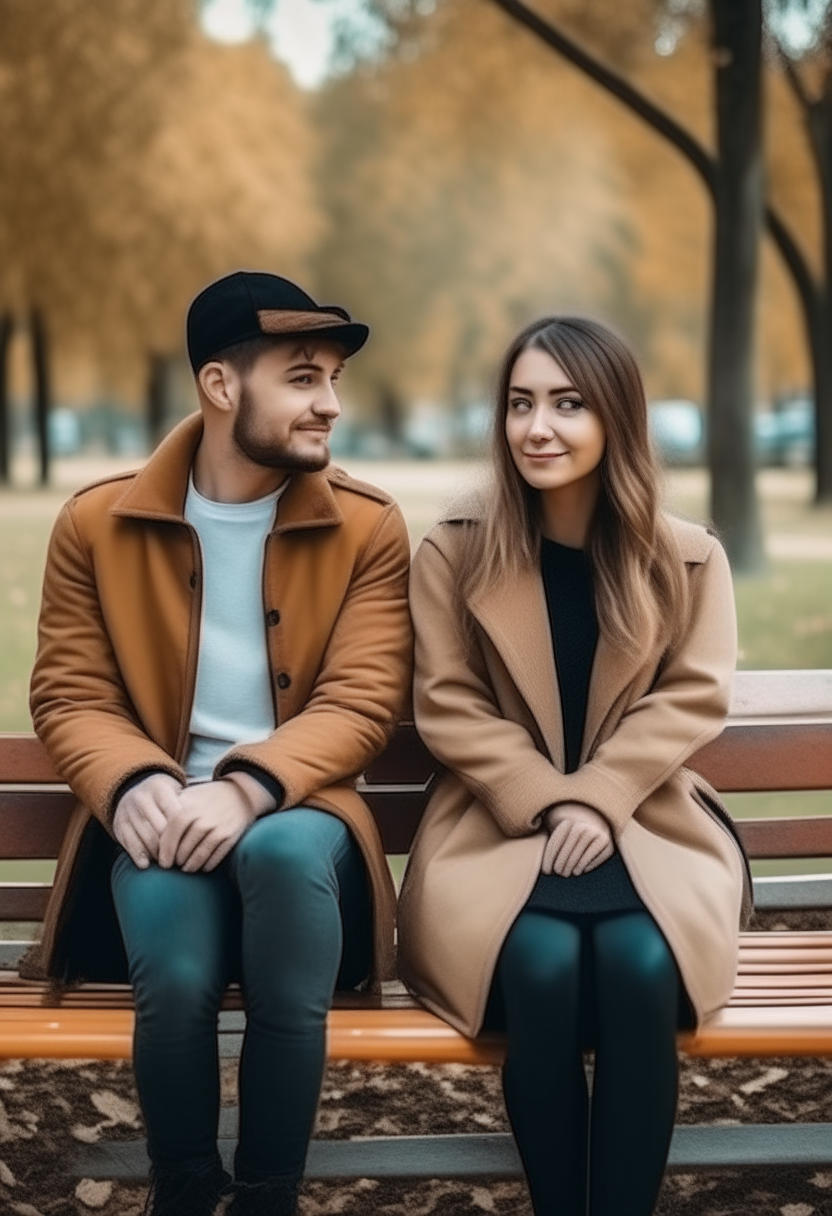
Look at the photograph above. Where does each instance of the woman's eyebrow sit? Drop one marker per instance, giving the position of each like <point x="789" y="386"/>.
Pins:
<point x="553" y="392"/>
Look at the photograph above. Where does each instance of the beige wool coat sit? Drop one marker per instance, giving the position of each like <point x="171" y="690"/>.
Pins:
<point x="118" y="643"/>
<point x="492" y="717"/>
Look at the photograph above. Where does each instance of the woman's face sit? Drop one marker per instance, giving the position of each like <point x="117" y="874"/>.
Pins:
<point x="554" y="438"/>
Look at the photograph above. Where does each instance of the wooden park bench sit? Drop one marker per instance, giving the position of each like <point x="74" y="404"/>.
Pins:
<point x="778" y="738"/>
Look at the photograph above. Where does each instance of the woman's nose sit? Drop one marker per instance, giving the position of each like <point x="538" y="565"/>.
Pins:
<point x="540" y="428"/>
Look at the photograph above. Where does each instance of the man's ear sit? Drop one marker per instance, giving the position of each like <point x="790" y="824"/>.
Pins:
<point x="220" y="384"/>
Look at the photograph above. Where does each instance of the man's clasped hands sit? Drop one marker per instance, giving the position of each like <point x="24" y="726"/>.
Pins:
<point x="195" y="827"/>
<point x="192" y="827"/>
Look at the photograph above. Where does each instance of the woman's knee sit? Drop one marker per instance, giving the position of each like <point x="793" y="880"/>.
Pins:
<point x="541" y="957"/>
<point x="632" y="954"/>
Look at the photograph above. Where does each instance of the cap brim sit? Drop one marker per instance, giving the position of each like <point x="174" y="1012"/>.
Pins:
<point x="351" y="335"/>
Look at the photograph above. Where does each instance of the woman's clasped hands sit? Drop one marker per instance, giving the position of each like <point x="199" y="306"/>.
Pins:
<point x="579" y="839"/>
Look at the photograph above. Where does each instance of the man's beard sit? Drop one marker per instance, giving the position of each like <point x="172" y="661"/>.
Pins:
<point x="267" y="453"/>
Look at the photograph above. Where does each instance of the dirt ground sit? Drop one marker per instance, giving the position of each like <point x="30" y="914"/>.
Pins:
<point x="50" y="1110"/>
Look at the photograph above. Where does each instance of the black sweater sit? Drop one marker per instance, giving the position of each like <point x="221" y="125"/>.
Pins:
<point x="567" y="578"/>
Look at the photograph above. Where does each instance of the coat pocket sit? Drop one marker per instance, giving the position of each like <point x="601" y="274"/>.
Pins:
<point x="707" y="797"/>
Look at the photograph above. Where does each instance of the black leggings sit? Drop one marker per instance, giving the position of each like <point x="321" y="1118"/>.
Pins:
<point x="568" y="982"/>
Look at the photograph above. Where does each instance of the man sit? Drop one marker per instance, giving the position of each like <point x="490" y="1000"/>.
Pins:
<point x="224" y="644"/>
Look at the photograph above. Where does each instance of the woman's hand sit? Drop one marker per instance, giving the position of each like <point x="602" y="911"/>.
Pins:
<point x="580" y="839"/>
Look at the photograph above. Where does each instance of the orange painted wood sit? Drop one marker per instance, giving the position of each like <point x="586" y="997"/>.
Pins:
<point x="786" y="1031"/>
<point x="401" y="1036"/>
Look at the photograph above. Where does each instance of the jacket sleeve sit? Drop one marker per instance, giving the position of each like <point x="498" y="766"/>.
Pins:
<point x="458" y="716"/>
<point x="684" y="710"/>
<point x="363" y="682"/>
<point x="80" y="708"/>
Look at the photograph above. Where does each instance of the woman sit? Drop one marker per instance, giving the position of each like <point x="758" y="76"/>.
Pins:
<point x="571" y="881"/>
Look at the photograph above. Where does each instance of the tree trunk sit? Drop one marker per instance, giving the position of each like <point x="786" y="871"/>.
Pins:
<point x="43" y="402"/>
<point x="391" y="413"/>
<point x="817" y="308"/>
<point x="737" y="36"/>
<point x="820" y="130"/>
<point x="157" y="399"/>
<point x="6" y="328"/>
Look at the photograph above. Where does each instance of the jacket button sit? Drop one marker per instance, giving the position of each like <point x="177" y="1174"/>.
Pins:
<point x="192" y="580"/>
<point x="272" y="617"/>
<point x="283" y="681"/>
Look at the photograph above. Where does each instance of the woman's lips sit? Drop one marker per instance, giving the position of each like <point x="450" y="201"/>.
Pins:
<point x="544" y="455"/>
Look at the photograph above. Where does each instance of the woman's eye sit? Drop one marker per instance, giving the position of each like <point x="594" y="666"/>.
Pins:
<point x="520" y="403"/>
<point x="570" y="404"/>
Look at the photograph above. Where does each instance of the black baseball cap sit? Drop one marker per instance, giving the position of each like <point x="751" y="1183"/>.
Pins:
<point x="250" y="303"/>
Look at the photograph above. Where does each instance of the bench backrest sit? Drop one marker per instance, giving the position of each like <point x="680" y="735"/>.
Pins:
<point x="778" y="738"/>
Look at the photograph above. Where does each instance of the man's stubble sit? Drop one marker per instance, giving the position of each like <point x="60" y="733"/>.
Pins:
<point x="263" y="451"/>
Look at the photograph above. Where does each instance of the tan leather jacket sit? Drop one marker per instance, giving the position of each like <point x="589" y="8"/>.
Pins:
<point x="118" y="642"/>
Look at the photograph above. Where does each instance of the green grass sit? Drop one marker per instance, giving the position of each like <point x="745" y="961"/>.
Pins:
<point x="22" y="548"/>
<point x="785" y="618"/>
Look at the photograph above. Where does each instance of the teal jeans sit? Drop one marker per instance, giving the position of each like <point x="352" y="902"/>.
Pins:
<point x="287" y="914"/>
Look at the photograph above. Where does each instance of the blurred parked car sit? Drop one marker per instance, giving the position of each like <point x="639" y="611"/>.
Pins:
<point x="785" y="434"/>
<point x="678" y="431"/>
<point x="65" y="432"/>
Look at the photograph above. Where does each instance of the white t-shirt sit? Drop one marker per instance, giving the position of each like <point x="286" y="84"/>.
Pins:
<point x="233" y="696"/>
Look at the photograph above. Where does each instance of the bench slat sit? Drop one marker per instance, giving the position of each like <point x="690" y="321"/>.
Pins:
<point x="404" y="1035"/>
<point x="484" y="1154"/>
<point x="23" y="758"/>
<point x="23" y="900"/>
<point x="32" y="823"/>
<point x="745" y="758"/>
<point x="809" y="836"/>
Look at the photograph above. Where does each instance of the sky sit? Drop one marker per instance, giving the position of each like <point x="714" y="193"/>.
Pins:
<point x="301" y="32"/>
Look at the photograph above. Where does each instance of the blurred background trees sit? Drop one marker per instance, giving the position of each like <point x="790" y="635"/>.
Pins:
<point x="451" y="180"/>
<point x="139" y="160"/>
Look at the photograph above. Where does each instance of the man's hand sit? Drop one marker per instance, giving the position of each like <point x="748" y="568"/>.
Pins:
<point x="142" y="814"/>
<point x="210" y="819"/>
<point x="580" y="839"/>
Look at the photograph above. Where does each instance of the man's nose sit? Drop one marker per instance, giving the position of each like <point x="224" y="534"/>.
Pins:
<point x="328" y="405"/>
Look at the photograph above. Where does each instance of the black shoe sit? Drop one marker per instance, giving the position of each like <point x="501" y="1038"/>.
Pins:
<point x="276" y="1197"/>
<point x="193" y="1189"/>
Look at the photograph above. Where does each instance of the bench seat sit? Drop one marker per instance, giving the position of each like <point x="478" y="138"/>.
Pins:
<point x="781" y="1005"/>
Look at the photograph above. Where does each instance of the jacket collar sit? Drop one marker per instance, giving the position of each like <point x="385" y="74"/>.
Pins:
<point x="158" y="490"/>
<point x="515" y="617"/>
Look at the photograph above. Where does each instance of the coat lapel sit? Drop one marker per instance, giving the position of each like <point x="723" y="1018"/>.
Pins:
<point x="515" y="618"/>
<point x="612" y="672"/>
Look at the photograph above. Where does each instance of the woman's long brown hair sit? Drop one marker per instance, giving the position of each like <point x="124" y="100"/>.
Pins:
<point x="639" y="576"/>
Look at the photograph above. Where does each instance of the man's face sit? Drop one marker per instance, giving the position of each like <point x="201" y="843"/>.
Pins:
<point x="287" y="406"/>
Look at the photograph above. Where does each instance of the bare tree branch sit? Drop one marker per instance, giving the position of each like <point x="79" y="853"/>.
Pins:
<point x="793" y="76"/>
<point x="688" y="145"/>
<point x="698" y="156"/>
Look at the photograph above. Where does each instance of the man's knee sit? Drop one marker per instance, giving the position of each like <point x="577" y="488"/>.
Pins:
<point x="176" y="990"/>
<point x="289" y="846"/>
